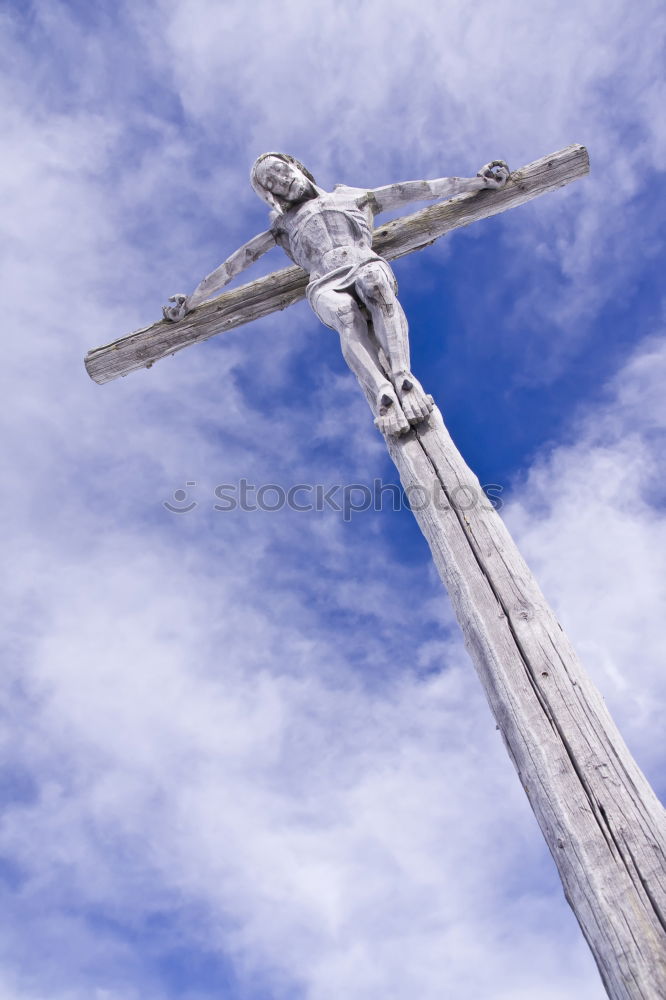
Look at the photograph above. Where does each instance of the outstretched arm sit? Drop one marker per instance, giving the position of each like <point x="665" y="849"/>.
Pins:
<point x="220" y="277"/>
<point x="493" y="175"/>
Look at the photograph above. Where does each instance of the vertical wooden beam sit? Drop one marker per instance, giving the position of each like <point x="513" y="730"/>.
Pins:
<point x="602" y="822"/>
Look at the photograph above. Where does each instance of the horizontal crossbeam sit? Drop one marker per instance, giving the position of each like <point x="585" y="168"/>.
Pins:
<point x="144" y="347"/>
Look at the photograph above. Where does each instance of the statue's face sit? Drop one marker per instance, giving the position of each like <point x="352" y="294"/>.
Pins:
<point x="284" y="179"/>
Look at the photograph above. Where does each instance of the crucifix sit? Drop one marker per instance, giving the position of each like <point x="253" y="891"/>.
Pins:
<point x="603" y="824"/>
<point x="351" y="288"/>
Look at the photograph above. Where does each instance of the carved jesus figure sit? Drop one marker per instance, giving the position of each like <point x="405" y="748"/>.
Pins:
<point x="351" y="288"/>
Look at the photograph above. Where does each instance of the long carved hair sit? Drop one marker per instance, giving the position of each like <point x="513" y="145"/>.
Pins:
<point x="276" y="203"/>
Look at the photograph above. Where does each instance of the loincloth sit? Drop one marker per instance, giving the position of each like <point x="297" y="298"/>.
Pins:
<point x="343" y="278"/>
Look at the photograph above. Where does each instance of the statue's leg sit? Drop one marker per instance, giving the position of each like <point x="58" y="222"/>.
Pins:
<point x="376" y="291"/>
<point x="341" y="311"/>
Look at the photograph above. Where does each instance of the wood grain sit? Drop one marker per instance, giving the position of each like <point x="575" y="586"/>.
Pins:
<point x="392" y="240"/>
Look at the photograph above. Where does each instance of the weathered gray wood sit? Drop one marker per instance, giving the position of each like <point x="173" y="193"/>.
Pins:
<point x="603" y="824"/>
<point x="279" y="290"/>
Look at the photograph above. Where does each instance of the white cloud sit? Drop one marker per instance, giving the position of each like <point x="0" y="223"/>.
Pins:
<point x="242" y="724"/>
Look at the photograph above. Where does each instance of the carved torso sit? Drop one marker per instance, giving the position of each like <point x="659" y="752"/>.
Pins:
<point x="325" y="232"/>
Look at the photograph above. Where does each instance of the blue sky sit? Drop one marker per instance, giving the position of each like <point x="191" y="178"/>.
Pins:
<point x="245" y="754"/>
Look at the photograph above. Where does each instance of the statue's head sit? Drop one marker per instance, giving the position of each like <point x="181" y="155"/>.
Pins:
<point x="280" y="180"/>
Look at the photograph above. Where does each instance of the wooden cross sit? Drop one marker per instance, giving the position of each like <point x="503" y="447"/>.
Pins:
<point x="601" y="820"/>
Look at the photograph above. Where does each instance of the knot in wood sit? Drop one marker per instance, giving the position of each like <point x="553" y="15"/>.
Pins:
<point x="525" y="612"/>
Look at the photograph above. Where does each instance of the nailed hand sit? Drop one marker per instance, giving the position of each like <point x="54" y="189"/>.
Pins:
<point x="495" y="174"/>
<point x="177" y="311"/>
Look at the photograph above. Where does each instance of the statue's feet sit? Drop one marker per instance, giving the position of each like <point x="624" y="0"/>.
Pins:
<point x="416" y="404"/>
<point x="390" y="419"/>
